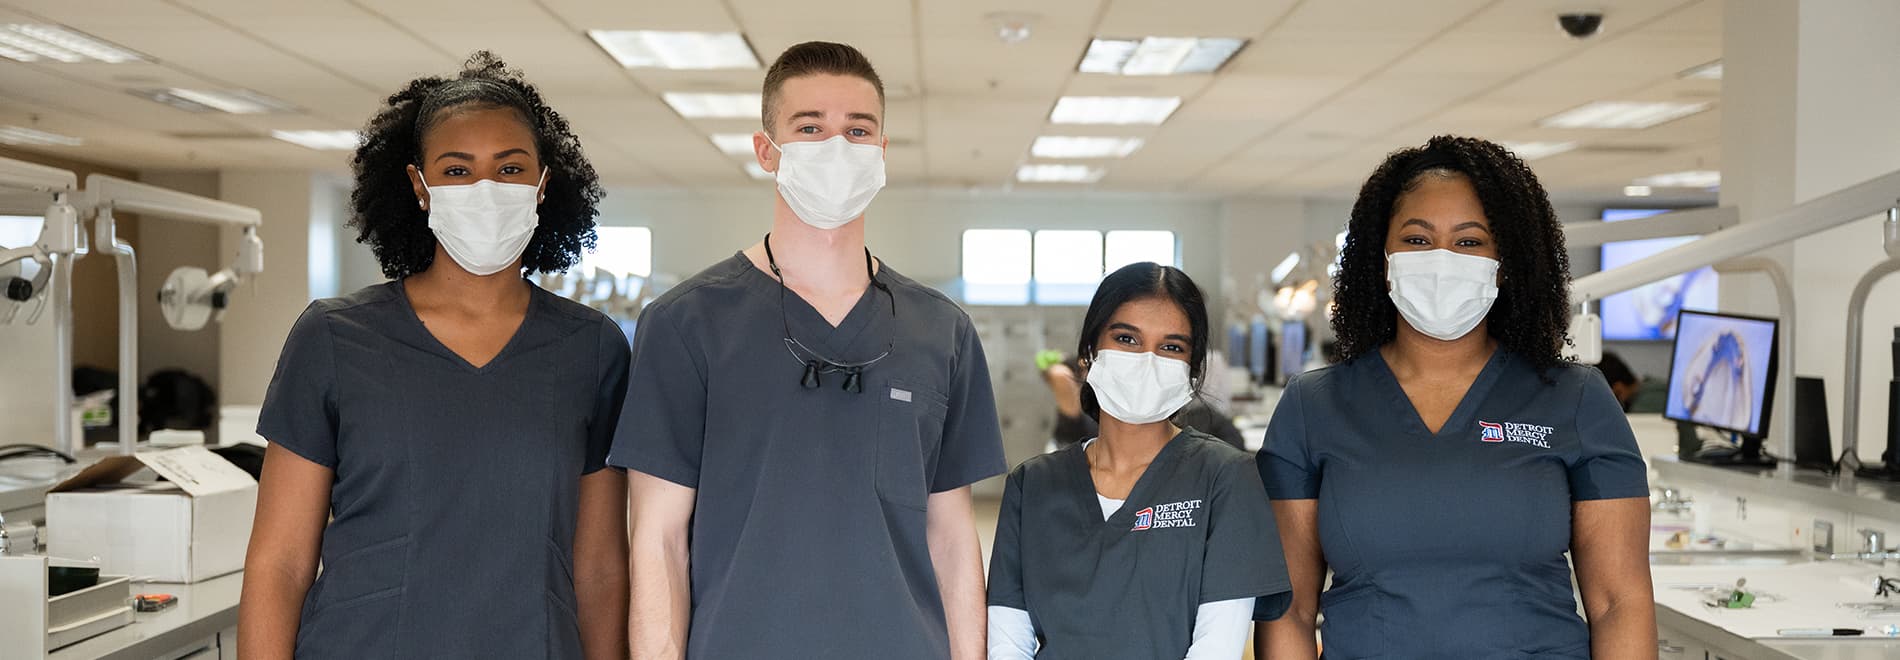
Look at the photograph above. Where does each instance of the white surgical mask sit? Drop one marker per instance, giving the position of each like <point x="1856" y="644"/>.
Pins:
<point x="484" y="225"/>
<point x="1139" y="388"/>
<point x="829" y="183"/>
<point x="1442" y="293"/>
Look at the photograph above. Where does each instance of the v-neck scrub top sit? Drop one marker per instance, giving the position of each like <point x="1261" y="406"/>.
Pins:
<point x="808" y="531"/>
<point x="1450" y="544"/>
<point x="456" y="488"/>
<point x="1196" y="528"/>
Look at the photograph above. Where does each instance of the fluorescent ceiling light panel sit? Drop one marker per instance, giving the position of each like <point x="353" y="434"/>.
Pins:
<point x="1684" y="179"/>
<point x="1114" y="109"/>
<point x="753" y="170"/>
<point x="1534" y="150"/>
<point x="733" y="144"/>
<point x="24" y="135"/>
<point x="1064" y="147"/>
<point x="1622" y="114"/>
<point x="26" y="42"/>
<point x="1052" y="173"/>
<point x="1636" y="191"/>
<point x="1710" y="71"/>
<point x="1159" y="56"/>
<point x="319" y="140"/>
<point x="237" y="102"/>
<point x="694" y="105"/>
<point x="676" y="50"/>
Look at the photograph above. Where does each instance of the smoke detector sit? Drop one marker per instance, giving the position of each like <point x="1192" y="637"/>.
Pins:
<point x="1011" y="27"/>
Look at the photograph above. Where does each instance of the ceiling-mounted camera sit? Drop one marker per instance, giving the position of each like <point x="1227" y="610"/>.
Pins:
<point x="1581" y="25"/>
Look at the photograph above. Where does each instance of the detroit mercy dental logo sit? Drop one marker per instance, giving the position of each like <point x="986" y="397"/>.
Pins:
<point x="1529" y="434"/>
<point x="1178" y="514"/>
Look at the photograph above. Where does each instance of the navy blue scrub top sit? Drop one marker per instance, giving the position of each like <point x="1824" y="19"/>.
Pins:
<point x="1195" y="529"/>
<point x="809" y="536"/>
<point x="456" y="488"/>
<point x="1450" y="545"/>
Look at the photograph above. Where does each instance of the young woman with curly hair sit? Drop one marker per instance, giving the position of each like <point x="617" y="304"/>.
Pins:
<point x="1446" y="466"/>
<point x="438" y="440"/>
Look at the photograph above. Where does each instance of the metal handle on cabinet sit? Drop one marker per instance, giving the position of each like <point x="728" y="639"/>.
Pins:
<point x="1663" y="646"/>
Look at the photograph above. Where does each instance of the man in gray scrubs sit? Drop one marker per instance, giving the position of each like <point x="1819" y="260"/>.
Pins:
<point x="803" y="422"/>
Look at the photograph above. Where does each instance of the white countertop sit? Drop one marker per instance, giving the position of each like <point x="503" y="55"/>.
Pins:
<point x="203" y="610"/>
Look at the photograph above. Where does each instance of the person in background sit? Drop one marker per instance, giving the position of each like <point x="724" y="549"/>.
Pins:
<point x="803" y="422"/>
<point x="1150" y="541"/>
<point x="1064" y="376"/>
<point x="1623" y="382"/>
<point x="438" y="441"/>
<point x="1446" y="467"/>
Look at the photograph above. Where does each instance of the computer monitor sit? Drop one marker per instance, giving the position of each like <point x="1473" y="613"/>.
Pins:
<point x="1722" y="372"/>
<point x="1648" y="312"/>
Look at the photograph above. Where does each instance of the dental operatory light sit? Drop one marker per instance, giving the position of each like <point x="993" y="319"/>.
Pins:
<point x="636" y="49"/>
<point x="28" y="42"/>
<point x="700" y="105"/>
<point x="1159" y="56"/>
<point x="1622" y="114"/>
<point x="1120" y="110"/>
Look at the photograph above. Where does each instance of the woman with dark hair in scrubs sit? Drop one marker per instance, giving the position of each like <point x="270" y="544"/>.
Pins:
<point x="438" y="440"/>
<point x="1149" y="541"/>
<point x="1446" y="466"/>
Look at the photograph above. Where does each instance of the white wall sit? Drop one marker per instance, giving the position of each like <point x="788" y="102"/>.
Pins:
<point x="262" y="312"/>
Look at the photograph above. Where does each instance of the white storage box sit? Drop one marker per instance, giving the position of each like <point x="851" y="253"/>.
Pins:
<point x="195" y="526"/>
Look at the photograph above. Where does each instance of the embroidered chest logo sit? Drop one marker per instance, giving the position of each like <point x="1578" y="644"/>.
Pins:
<point x="1529" y="434"/>
<point x="1178" y="514"/>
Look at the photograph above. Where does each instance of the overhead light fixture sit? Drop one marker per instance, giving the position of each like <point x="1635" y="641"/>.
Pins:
<point x="697" y="105"/>
<point x="1622" y="114"/>
<point x="758" y="173"/>
<point x="21" y="135"/>
<point x="733" y="144"/>
<point x="1636" y="191"/>
<point x="636" y="49"/>
<point x="1710" y="71"/>
<point x="1534" y="150"/>
<point x="1684" y="179"/>
<point x="320" y="140"/>
<point x="1114" y="109"/>
<point x="1159" y="56"/>
<point x="1063" y="147"/>
<point x="1054" y="173"/>
<point x="237" y="102"/>
<point x="26" y="42"/>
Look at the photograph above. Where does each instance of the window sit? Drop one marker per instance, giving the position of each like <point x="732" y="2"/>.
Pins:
<point x="996" y="267"/>
<point x="1055" y="266"/>
<point x="1128" y="247"/>
<point x="622" y="251"/>
<point x="1068" y="266"/>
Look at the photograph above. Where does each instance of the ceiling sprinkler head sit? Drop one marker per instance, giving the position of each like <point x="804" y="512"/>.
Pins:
<point x="1011" y="27"/>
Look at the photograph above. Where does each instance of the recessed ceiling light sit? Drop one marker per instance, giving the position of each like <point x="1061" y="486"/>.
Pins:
<point x="24" y="135"/>
<point x="1636" y="191"/>
<point x="733" y="144"/>
<point x="1061" y="147"/>
<point x="1053" y="173"/>
<point x="1622" y="114"/>
<point x="26" y="42"/>
<point x="695" y="105"/>
<point x="1159" y="56"/>
<point x="320" y="140"/>
<point x="1710" y="71"/>
<point x="1114" y="109"/>
<point x="753" y="170"/>
<point x="1684" y="179"/>
<point x="1534" y="150"/>
<point x="676" y="50"/>
<point x="237" y="101"/>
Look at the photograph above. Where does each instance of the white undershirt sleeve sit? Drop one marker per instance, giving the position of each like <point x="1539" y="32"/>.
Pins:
<point x="1220" y="630"/>
<point x="1013" y="635"/>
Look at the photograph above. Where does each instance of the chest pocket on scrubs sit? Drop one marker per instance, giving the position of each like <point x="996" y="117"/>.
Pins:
<point x="909" y="431"/>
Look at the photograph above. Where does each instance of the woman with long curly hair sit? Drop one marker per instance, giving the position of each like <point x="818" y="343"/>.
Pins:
<point x="437" y="441"/>
<point x="1443" y="469"/>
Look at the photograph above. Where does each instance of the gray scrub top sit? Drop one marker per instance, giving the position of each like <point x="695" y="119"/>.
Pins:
<point x="456" y="488"/>
<point x="1196" y="528"/>
<point x="808" y="533"/>
<point x="1450" y="545"/>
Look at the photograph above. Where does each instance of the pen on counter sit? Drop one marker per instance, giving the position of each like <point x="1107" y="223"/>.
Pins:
<point x="1819" y="632"/>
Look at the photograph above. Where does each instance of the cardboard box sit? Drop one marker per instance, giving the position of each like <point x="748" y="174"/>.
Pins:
<point x="193" y="526"/>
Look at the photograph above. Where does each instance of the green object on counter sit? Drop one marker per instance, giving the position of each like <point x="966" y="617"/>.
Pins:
<point x="1740" y="599"/>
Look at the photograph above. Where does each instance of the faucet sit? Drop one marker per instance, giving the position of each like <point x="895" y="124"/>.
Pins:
<point x="1671" y="501"/>
<point x="1873" y="548"/>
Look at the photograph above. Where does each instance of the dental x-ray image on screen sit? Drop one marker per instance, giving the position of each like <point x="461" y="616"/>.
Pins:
<point x="1723" y="371"/>
<point x="1648" y="312"/>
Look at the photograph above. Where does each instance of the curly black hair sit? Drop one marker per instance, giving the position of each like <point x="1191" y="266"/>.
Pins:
<point x="1531" y="314"/>
<point x="383" y="206"/>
